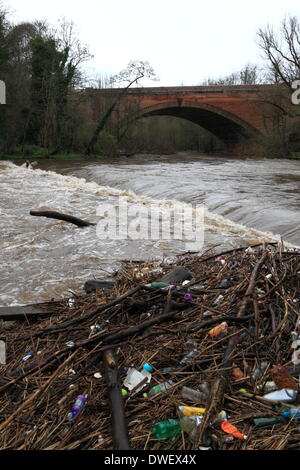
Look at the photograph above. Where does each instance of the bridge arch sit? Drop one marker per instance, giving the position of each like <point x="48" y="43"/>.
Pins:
<point x="228" y="127"/>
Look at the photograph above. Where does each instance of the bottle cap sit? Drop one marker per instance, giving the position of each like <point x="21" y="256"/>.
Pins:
<point x="148" y="367"/>
<point x="145" y="395"/>
<point x="124" y="392"/>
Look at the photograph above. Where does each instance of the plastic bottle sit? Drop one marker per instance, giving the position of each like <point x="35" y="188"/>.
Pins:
<point x="225" y="282"/>
<point x="158" y="285"/>
<point x="190" y="425"/>
<point x="269" y="386"/>
<point x="264" y="422"/>
<point x="219" y="299"/>
<point x="163" y="387"/>
<point x="27" y="356"/>
<point x="78" y="405"/>
<point x="168" y="369"/>
<point x="218" y="330"/>
<point x="186" y="358"/>
<point x="2" y="353"/>
<point x="195" y="396"/>
<point x="291" y="413"/>
<point x="190" y="411"/>
<point x="192" y="353"/>
<point x="166" y="429"/>
<point x="286" y="395"/>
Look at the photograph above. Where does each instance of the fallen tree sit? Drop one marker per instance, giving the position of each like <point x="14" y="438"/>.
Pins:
<point x="64" y="217"/>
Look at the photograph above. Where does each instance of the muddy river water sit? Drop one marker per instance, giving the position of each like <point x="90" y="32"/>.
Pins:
<point x="245" y="201"/>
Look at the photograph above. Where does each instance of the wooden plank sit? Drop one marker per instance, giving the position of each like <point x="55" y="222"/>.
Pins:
<point x="21" y="312"/>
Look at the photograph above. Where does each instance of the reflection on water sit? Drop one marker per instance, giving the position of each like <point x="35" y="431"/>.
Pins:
<point x="43" y="258"/>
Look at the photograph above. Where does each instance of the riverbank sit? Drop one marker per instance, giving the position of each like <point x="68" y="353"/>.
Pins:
<point x="219" y="342"/>
<point x="19" y="157"/>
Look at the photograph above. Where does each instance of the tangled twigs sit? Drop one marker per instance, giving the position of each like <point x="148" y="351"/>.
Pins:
<point x="63" y="326"/>
<point x="38" y="392"/>
<point x="178" y="332"/>
<point x="219" y="385"/>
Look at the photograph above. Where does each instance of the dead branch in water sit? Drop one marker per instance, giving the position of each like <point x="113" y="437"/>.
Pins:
<point x="65" y="217"/>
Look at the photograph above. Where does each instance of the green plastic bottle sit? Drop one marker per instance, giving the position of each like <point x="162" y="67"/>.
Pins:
<point x="166" y="429"/>
<point x="159" y="285"/>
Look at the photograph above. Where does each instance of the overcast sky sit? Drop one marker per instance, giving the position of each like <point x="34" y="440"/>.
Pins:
<point x="185" y="41"/>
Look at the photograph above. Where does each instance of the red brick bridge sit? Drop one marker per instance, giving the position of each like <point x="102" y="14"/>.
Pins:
<point x="229" y="112"/>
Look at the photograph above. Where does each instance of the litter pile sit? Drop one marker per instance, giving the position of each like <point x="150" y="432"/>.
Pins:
<point x="204" y="354"/>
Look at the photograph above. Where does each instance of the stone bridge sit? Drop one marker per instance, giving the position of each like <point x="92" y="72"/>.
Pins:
<point x="229" y="112"/>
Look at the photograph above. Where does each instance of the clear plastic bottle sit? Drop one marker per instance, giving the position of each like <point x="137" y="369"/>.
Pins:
<point x="196" y="396"/>
<point x="163" y="387"/>
<point x="219" y="299"/>
<point x="190" y="425"/>
<point x="190" y="354"/>
<point x="260" y="370"/>
<point x="2" y="353"/>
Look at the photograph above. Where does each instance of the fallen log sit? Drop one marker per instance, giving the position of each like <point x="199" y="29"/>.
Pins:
<point x="178" y="274"/>
<point x="119" y="427"/>
<point x="64" y="217"/>
<point x="93" y="285"/>
<point x="26" y="311"/>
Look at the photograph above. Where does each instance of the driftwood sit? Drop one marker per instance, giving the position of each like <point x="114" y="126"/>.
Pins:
<point x="119" y="427"/>
<point x="93" y="285"/>
<point x="26" y="311"/>
<point x="64" y="217"/>
<point x="178" y="274"/>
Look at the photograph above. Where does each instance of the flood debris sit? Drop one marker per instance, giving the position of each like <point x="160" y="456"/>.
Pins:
<point x="167" y="367"/>
<point x="59" y="216"/>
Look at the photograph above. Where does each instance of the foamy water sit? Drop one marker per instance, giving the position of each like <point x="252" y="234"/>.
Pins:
<point x="45" y="258"/>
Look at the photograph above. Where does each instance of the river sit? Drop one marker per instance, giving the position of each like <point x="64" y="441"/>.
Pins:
<point x="246" y="201"/>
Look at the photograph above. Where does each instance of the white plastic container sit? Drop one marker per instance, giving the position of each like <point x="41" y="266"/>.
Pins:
<point x="285" y="395"/>
<point x="2" y="353"/>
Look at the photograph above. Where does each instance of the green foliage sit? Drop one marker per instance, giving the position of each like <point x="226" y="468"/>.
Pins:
<point x="106" y="145"/>
<point x="52" y="77"/>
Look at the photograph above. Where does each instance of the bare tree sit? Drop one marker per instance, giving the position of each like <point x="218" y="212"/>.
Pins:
<point x="249" y="75"/>
<point x="135" y="71"/>
<point x="282" y="50"/>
